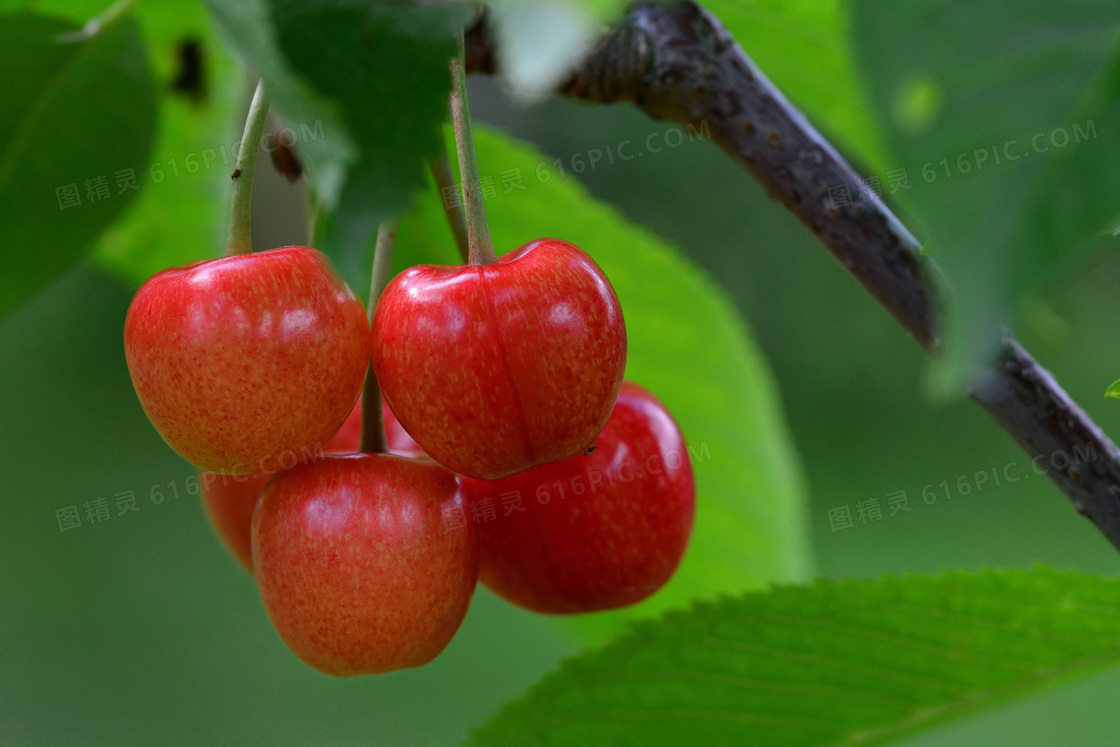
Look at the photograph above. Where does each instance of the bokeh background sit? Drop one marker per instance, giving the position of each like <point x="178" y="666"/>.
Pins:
<point x="144" y="631"/>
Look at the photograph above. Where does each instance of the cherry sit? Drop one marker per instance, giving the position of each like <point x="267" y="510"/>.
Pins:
<point x="360" y="564"/>
<point x="229" y="500"/>
<point x="600" y="530"/>
<point x="242" y="360"/>
<point x="497" y="368"/>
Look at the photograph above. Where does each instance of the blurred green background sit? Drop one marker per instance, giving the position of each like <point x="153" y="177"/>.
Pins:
<point x="142" y="630"/>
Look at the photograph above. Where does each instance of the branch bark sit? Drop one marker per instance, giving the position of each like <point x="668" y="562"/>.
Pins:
<point x="679" y="63"/>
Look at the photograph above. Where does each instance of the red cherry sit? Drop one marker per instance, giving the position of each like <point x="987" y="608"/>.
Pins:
<point x="357" y="563"/>
<point x="600" y="530"/>
<point x="494" y="369"/>
<point x="229" y="499"/>
<point x="245" y="360"/>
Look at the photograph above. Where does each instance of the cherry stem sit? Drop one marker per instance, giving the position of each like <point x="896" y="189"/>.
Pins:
<point x="240" y="239"/>
<point x="373" y="439"/>
<point x="480" y="245"/>
<point x="456" y="219"/>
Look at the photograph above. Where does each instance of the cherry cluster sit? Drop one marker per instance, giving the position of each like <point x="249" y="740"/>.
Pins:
<point x="503" y="387"/>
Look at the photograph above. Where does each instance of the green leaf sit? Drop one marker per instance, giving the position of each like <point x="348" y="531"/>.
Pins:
<point x="76" y="117"/>
<point x="1114" y="390"/>
<point x="687" y="345"/>
<point x="804" y="46"/>
<point x="376" y="75"/>
<point x="182" y="209"/>
<point x="852" y="662"/>
<point x="182" y="213"/>
<point x="248" y="28"/>
<point x="1002" y="122"/>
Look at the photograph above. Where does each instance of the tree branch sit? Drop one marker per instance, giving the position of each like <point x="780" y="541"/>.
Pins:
<point x="1028" y="403"/>
<point x="679" y="63"/>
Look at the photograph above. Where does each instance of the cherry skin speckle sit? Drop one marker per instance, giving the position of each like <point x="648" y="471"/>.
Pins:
<point x="597" y="531"/>
<point x="242" y="361"/>
<point x="358" y="566"/>
<point x="498" y="368"/>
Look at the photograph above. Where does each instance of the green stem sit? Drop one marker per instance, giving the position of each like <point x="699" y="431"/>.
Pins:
<point x="240" y="239"/>
<point x="480" y="245"/>
<point x="456" y="218"/>
<point x="373" y="427"/>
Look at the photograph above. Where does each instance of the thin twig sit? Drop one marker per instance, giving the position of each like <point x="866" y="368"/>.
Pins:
<point x="456" y="218"/>
<point x="373" y="440"/>
<point x="241" y="202"/>
<point x="480" y="245"/>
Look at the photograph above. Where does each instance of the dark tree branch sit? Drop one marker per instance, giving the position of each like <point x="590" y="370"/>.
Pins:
<point x="1028" y="403"/>
<point x="679" y="63"/>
